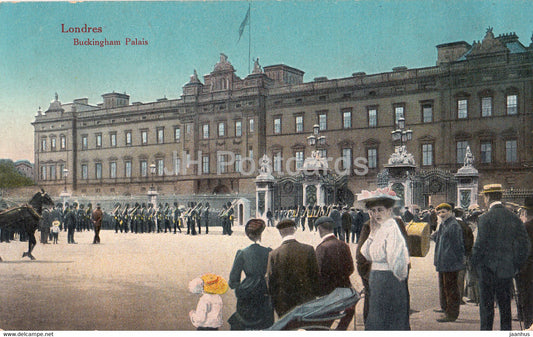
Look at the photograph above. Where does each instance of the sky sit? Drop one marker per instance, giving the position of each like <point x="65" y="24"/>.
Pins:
<point x="321" y="38"/>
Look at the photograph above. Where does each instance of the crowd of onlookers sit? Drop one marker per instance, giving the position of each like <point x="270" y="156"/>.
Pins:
<point x="478" y="255"/>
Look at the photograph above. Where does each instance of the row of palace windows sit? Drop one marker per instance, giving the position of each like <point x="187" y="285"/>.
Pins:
<point x="160" y="134"/>
<point x="224" y="161"/>
<point x="222" y="131"/>
<point x="426" y="114"/>
<point x="322" y="121"/>
<point x="487" y="106"/>
<point x="54" y="144"/>
<point x="346" y="118"/>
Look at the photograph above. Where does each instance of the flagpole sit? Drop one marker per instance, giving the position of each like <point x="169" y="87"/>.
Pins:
<point x="249" y="35"/>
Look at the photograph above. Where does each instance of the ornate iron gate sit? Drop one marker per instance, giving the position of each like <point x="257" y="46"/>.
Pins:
<point x="433" y="182"/>
<point x="288" y="192"/>
<point x="438" y="183"/>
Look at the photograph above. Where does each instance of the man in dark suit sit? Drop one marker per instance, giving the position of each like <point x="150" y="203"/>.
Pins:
<point x="524" y="279"/>
<point x="449" y="260"/>
<point x="292" y="271"/>
<point x="335" y="265"/>
<point x="501" y="248"/>
<point x="336" y="216"/>
<point x="346" y="220"/>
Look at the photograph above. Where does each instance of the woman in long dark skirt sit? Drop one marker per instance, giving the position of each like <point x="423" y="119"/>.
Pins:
<point x="254" y="307"/>
<point x="386" y="248"/>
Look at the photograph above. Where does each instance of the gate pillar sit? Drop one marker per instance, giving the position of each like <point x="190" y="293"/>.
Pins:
<point x="467" y="182"/>
<point x="401" y="166"/>
<point x="264" y="187"/>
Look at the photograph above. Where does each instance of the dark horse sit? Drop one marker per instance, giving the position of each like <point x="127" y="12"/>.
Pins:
<point x="26" y="218"/>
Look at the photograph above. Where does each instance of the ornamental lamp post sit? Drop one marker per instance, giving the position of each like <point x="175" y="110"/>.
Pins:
<point x="152" y="173"/>
<point x="315" y="140"/>
<point x="401" y="134"/>
<point x="401" y="164"/>
<point x="65" y="174"/>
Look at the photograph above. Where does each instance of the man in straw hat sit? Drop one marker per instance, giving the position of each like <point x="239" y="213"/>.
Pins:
<point x="500" y="250"/>
<point x="292" y="271"/>
<point x="524" y="278"/>
<point x="335" y="264"/>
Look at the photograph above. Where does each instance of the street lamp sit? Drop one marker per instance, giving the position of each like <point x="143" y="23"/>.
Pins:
<point x="65" y="174"/>
<point x="400" y="134"/>
<point x="152" y="172"/>
<point x="315" y="140"/>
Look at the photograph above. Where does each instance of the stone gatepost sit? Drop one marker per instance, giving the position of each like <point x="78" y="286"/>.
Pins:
<point x="313" y="170"/>
<point x="264" y="187"/>
<point x="401" y="166"/>
<point x="152" y="197"/>
<point x="467" y="182"/>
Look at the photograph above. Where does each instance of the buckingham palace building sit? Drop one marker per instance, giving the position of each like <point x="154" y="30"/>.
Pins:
<point x="478" y="97"/>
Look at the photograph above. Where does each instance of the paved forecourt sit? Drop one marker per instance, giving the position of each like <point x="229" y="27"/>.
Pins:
<point x="139" y="282"/>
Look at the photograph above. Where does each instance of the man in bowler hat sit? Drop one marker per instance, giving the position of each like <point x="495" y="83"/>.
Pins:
<point x="335" y="264"/>
<point x="292" y="271"/>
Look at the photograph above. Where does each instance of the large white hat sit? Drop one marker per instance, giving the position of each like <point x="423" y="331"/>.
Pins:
<point x="379" y="194"/>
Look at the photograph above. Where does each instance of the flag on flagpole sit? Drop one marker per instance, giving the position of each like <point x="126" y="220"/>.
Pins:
<point x="244" y="23"/>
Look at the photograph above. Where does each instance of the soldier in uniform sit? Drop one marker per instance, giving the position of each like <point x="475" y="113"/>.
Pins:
<point x="150" y="218"/>
<point x="230" y="218"/>
<point x="198" y="217"/>
<point x="311" y="216"/>
<point x="80" y="216"/>
<point x="88" y="223"/>
<point x="144" y="218"/>
<point x="66" y="208"/>
<point x="177" y="215"/>
<point x="117" y="218"/>
<point x="190" y="219"/>
<point x="126" y="218"/>
<point x="45" y="224"/>
<point x="71" y="222"/>
<point x="205" y="217"/>
<point x="222" y="216"/>
<point x="166" y="217"/>
<point x="302" y="213"/>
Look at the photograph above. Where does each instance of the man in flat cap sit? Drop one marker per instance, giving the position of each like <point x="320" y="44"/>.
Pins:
<point x="292" y="271"/>
<point x="449" y="260"/>
<point x="500" y="250"/>
<point x="335" y="264"/>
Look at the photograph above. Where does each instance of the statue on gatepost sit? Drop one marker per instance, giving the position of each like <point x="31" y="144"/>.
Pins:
<point x="265" y="166"/>
<point x="469" y="158"/>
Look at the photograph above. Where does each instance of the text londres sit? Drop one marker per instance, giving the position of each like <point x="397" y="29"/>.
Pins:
<point x="99" y="42"/>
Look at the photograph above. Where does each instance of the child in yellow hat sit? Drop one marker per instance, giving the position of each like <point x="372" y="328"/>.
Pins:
<point x="208" y="313"/>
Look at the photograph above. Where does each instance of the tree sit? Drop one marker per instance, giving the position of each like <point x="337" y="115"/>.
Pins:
<point x="10" y="177"/>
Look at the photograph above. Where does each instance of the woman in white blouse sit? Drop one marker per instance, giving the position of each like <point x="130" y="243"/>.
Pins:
<point x="386" y="248"/>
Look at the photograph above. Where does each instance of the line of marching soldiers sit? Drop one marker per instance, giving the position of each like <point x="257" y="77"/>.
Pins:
<point x="145" y="218"/>
<point x="348" y="220"/>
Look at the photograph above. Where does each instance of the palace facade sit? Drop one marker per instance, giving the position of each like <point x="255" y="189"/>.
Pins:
<point x="211" y="139"/>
